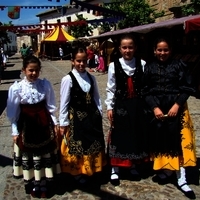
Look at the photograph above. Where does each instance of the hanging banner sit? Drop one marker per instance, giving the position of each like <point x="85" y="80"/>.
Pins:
<point x="14" y="12"/>
<point x="48" y="27"/>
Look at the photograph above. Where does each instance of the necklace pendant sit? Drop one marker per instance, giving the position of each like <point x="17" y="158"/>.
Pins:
<point x="88" y="98"/>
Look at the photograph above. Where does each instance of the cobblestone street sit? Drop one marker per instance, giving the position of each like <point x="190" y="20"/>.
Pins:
<point x="146" y="189"/>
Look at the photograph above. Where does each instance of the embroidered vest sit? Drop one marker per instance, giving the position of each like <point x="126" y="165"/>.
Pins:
<point x="121" y="80"/>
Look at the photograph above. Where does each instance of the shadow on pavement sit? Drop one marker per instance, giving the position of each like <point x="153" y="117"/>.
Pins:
<point x="3" y="104"/>
<point x="9" y="65"/>
<point x="94" y="186"/>
<point x="5" y="161"/>
<point x="66" y="183"/>
<point x="192" y="173"/>
<point x="15" y="74"/>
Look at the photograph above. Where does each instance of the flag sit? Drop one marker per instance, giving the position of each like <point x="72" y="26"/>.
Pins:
<point x="14" y="12"/>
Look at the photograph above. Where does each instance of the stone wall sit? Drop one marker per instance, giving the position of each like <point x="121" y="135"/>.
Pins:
<point x="170" y="7"/>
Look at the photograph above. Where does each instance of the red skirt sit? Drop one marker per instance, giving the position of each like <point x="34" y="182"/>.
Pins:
<point x="36" y="129"/>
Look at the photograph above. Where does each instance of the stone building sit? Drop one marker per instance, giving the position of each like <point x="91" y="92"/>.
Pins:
<point x="12" y="46"/>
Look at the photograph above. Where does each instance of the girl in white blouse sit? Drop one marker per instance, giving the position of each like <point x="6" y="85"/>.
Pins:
<point x="31" y="109"/>
<point x="83" y="146"/>
<point x="125" y="111"/>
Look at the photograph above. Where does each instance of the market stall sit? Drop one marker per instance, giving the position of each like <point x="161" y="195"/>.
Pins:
<point x="55" y="39"/>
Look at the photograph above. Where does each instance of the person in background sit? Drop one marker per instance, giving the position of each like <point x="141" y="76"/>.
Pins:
<point x="96" y="59"/>
<point x="31" y="109"/>
<point x="60" y="52"/>
<point x="24" y="50"/>
<point x="125" y="111"/>
<point x="167" y="86"/>
<point x="91" y="58"/>
<point x="31" y="52"/>
<point x="83" y="145"/>
<point x="101" y="62"/>
<point x="3" y="60"/>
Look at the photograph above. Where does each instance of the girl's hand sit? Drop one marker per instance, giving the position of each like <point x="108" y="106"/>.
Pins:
<point x="15" y="138"/>
<point x="63" y="130"/>
<point x="158" y="113"/>
<point x="110" y="116"/>
<point x="174" y="110"/>
<point x="56" y="129"/>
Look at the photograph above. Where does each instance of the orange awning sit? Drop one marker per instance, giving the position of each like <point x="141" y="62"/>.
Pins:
<point x="58" y="34"/>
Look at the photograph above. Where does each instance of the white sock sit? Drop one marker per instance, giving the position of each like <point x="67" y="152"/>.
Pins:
<point x="182" y="180"/>
<point x="114" y="173"/>
<point x="186" y="188"/>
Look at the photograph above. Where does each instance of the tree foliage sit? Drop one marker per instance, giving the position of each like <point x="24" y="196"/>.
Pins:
<point x="191" y="9"/>
<point x="81" y="30"/>
<point x="4" y="39"/>
<point x="137" y="12"/>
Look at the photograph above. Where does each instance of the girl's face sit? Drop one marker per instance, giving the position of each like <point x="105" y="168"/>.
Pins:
<point x="32" y="71"/>
<point x="80" y="62"/>
<point x="162" y="51"/>
<point x="127" y="49"/>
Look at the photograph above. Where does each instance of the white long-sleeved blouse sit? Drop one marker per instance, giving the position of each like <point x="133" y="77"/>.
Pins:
<point x="129" y="68"/>
<point x="25" y="92"/>
<point x="66" y="85"/>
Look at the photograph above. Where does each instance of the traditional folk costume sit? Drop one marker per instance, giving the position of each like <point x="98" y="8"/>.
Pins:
<point x="31" y="111"/>
<point x="83" y="147"/>
<point x="172" y="140"/>
<point x="127" y="140"/>
<point x="172" y="144"/>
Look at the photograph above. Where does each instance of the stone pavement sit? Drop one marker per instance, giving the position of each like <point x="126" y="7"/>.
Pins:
<point x="12" y="189"/>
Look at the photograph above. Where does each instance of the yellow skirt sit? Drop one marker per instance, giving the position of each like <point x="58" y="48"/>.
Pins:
<point x="188" y="148"/>
<point x="87" y="164"/>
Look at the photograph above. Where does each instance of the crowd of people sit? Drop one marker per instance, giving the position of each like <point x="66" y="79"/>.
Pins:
<point x="146" y="108"/>
<point x="96" y="60"/>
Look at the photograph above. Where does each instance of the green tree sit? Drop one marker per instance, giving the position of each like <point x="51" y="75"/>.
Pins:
<point x="191" y="9"/>
<point x="137" y="12"/>
<point x="4" y="39"/>
<point x="81" y="30"/>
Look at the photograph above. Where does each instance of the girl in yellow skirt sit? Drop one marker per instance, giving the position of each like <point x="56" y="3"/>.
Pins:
<point x="82" y="146"/>
<point x="167" y="86"/>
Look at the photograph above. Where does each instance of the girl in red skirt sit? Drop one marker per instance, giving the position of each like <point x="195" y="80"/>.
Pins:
<point x="31" y="110"/>
<point x="125" y="111"/>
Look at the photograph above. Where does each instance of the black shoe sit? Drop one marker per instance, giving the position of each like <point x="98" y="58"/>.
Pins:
<point x="190" y="194"/>
<point x="163" y="181"/>
<point x="135" y="176"/>
<point x="82" y="179"/>
<point x="28" y="188"/>
<point x="115" y="181"/>
<point x="36" y="193"/>
<point x="43" y="192"/>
